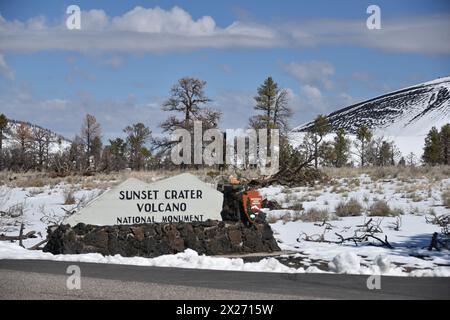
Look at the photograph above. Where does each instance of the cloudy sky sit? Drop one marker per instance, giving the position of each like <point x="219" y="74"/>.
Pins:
<point x="122" y="63"/>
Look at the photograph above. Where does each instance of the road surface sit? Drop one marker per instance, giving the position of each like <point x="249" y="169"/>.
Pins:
<point x="40" y="279"/>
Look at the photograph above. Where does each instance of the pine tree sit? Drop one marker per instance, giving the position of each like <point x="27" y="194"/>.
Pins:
<point x="444" y="136"/>
<point x="342" y="148"/>
<point x="117" y="149"/>
<point x="320" y="128"/>
<point x="96" y="152"/>
<point x="385" y="154"/>
<point x="272" y="106"/>
<point x="137" y="136"/>
<point x="432" y="151"/>
<point x="364" y="136"/>
<point x="3" y="127"/>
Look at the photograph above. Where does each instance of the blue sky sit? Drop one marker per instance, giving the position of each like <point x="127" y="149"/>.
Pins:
<point x="122" y="63"/>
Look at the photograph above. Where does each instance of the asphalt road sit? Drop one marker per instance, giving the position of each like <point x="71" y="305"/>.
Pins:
<point x="39" y="279"/>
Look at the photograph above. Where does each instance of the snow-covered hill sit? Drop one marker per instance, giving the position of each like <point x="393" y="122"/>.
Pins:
<point x="57" y="142"/>
<point x="404" y="116"/>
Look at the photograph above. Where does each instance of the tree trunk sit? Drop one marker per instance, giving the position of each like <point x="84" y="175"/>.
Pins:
<point x="316" y="162"/>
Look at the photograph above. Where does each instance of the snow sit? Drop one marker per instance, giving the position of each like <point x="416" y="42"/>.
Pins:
<point x="404" y="116"/>
<point x="54" y="146"/>
<point x="345" y="262"/>
<point x="42" y="206"/>
<point x="406" y="144"/>
<point x="409" y="256"/>
<point x="188" y="259"/>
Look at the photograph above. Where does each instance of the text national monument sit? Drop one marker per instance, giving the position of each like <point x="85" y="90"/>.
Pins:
<point x="183" y="198"/>
<point x="165" y="217"/>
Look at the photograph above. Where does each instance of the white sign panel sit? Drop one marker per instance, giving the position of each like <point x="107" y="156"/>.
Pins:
<point x="183" y="198"/>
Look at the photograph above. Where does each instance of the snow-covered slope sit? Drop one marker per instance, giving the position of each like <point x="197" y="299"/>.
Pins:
<point x="405" y="116"/>
<point x="58" y="142"/>
<point x="410" y="111"/>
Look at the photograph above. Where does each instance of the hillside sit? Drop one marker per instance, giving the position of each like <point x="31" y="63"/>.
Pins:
<point x="58" y="142"/>
<point x="404" y="116"/>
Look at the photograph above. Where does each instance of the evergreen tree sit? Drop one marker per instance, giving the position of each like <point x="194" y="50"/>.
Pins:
<point x="320" y="128"/>
<point x="117" y="150"/>
<point x="432" y="151"/>
<point x="3" y="127"/>
<point x="363" y="136"/>
<point x="272" y="106"/>
<point x="445" y="144"/>
<point x="341" y="148"/>
<point x="96" y="152"/>
<point x="137" y="136"/>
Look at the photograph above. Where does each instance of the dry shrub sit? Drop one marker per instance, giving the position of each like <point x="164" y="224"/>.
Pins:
<point x="297" y="206"/>
<point x="349" y="209"/>
<point x="446" y="198"/>
<point x="382" y="209"/>
<point x="315" y="215"/>
<point x="69" y="196"/>
<point x="272" y="218"/>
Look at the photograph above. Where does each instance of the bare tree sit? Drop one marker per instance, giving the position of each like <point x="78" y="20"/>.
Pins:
<point x="187" y="103"/>
<point x="188" y="98"/>
<point x="90" y="130"/>
<point x="40" y="139"/>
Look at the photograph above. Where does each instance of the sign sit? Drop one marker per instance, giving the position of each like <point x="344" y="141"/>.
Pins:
<point x="252" y="204"/>
<point x="183" y="198"/>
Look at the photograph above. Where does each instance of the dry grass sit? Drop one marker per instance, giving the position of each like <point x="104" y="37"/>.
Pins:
<point x="107" y="180"/>
<point x="405" y="174"/>
<point x="69" y="196"/>
<point x="349" y="209"/>
<point x="272" y="219"/>
<point x="446" y="198"/>
<point x="381" y="208"/>
<point x="315" y="215"/>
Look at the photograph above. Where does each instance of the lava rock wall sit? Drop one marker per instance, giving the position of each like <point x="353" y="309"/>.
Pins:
<point x="151" y="240"/>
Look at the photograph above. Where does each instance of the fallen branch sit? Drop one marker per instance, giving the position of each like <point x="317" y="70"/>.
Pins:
<point x="363" y="238"/>
<point x="36" y="246"/>
<point x="327" y="225"/>
<point x="21" y="235"/>
<point x="29" y="235"/>
<point x="68" y="211"/>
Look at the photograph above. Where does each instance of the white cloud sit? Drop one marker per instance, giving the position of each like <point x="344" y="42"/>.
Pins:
<point x="313" y="97"/>
<point x="157" y="20"/>
<point x="426" y="34"/>
<point x="315" y="73"/>
<point x="5" y="69"/>
<point x="94" y="20"/>
<point x="156" y="29"/>
<point x="140" y="29"/>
